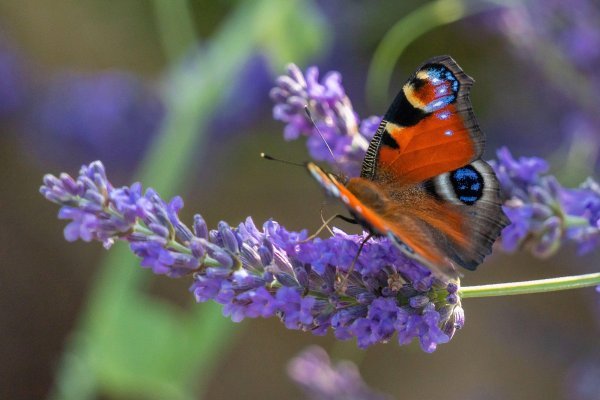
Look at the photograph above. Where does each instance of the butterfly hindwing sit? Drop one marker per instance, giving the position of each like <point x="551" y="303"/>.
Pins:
<point x="451" y="220"/>
<point x="473" y="191"/>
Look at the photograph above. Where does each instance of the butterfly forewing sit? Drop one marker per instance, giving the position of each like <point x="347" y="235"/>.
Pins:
<point x="429" y="129"/>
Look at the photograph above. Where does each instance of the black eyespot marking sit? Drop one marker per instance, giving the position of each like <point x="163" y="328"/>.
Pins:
<point x="388" y="140"/>
<point x="467" y="183"/>
<point x="403" y="113"/>
<point x="417" y="83"/>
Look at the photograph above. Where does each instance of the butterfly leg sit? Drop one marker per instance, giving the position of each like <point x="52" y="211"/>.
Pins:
<point x="343" y="282"/>
<point x="326" y="225"/>
<point x="323" y="218"/>
<point x="349" y="220"/>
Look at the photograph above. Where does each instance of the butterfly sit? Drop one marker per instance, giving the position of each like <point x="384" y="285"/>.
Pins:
<point x="423" y="183"/>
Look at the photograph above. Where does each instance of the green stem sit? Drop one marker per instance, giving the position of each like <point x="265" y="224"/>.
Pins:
<point x="536" y="286"/>
<point x="420" y="21"/>
<point x="175" y="26"/>
<point x="572" y="221"/>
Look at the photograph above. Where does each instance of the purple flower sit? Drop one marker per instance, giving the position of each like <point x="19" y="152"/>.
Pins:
<point x="109" y="115"/>
<point x="571" y="26"/>
<point x="543" y="213"/>
<point x="314" y="372"/>
<point x="265" y="272"/>
<point x="332" y="112"/>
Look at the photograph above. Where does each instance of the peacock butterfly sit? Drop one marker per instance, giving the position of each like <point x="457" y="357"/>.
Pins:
<point x="423" y="183"/>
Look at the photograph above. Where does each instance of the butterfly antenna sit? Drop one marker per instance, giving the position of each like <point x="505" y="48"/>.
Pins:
<point x="271" y="158"/>
<point x="309" y="115"/>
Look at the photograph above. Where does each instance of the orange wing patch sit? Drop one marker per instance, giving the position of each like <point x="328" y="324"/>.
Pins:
<point x="338" y="190"/>
<point x="431" y="147"/>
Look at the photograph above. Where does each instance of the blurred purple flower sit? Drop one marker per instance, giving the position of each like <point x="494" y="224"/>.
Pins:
<point x="562" y="39"/>
<point x="13" y="80"/>
<point x="332" y="112"/>
<point x="543" y="213"/>
<point x="571" y="26"/>
<point x="245" y="100"/>
<point x="583" y="379"/>
<point x="314" y="372"/>
<point x="109" y="115"/>
<point x="270" y="271"/>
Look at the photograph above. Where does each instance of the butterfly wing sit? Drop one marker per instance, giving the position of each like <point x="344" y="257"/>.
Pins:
<point x="369" y="205"/>
<point x="423" y="183"/>
<point x="429" y="129"/>
<point x="462" y="211"/>
<point x="333" y="187"/>
<point x="426" y="155"/>
<point x="450" y="220"/>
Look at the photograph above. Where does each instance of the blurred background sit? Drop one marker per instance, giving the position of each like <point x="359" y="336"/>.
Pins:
<point x="175" y="93"/>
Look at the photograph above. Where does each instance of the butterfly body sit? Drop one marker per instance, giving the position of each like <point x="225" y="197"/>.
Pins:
<point x="422" y="182"/>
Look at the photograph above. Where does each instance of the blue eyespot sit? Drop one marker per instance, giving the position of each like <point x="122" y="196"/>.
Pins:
<point x="468" y="184"/>
<point x="446" y="87"/>
<point x="465" y="173"/>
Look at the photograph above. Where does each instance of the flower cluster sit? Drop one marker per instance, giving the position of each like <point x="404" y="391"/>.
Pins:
<point x="545" y="214"/>
<point x="313" y="371"/>
<point x="333" y="114"/>
<point x="270" y="271"/>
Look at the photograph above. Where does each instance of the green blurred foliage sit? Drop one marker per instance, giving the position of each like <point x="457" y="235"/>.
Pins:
<point x="131" y="345"/>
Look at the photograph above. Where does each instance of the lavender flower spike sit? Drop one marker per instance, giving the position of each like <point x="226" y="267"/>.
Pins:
<point x="544" y="214"/>
<point x="332" y="110"/>
<point x="313" y="371"/>
<point x="266" y="272"/>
